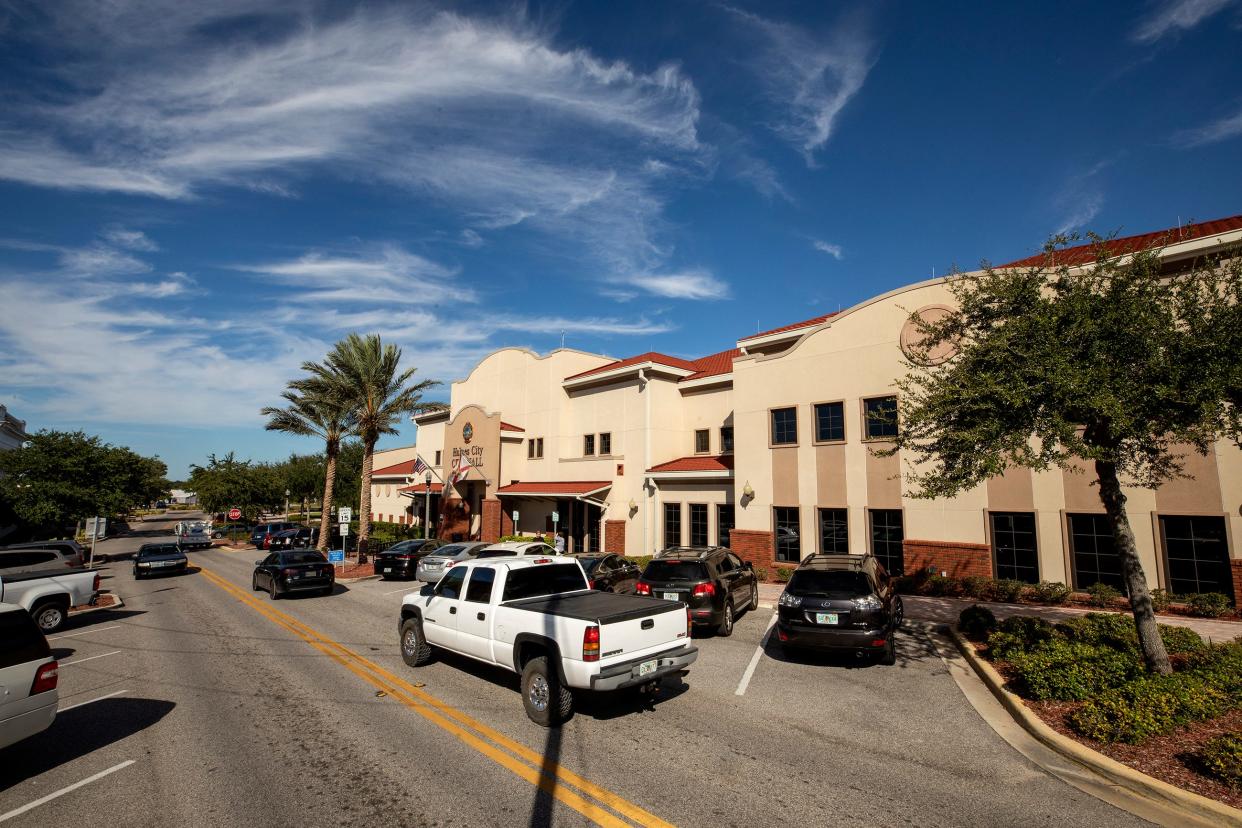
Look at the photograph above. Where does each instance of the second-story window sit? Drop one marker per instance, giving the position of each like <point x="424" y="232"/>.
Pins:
<point x="881" y="417"/>
<point x="605" y="443"/>
<point x="829" y="422"/>
<point x="534" y="448"/>
<point x="438" y="458"/>
<point x="588" y="445"/>
<point x="702" y="441"/>
<point x="784" y="426"/>
<point x="726" y="439"/>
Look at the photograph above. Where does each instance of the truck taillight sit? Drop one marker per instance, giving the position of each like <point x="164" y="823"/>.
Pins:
<point x="590" y="583"/>
<point x="705" y="589"/>
<point x="45" y="679"/>
<point x="642" y="589"/>
<point x="689" y="622"/>
<point x="590" y="643"/>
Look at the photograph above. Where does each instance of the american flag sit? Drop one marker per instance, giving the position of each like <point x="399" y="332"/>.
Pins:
<point x="419" y="465"/>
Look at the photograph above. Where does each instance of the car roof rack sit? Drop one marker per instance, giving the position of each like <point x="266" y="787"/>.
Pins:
<point x="824" y="560"/>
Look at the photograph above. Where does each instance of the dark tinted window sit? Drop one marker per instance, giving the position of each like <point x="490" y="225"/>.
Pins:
<point x="788" y="538"/>
<point x="724" y="523"/>
<point x="834" y="534"/>
<point x="881" y="416"/>
<point x="1197" y="554"/>
<point x="843" y="583"/>
<point x="301" y="557"/>
<point x="784" y="426"/>
<point x="675" y="571"/>
<point x="450" y="550"/>
<point x="887" y="539"/>
<point x="1013" y="545"/>
<point x="543" y="580"/>
<point x="1095" y="554"/>
<point x="672" y="524"/>
<point x="20" y="639"/>
<point x="726" y="438"/>
<point x="496" y="553"/>
<point x="830" y="422"/>
<point x="702" y="441"/>
<point x="162" y="549"/>
<point x="450" y="584"/>
<point x="479" y="590"/>
<point x="698" y="524"/>
<point x="589" y="565"/>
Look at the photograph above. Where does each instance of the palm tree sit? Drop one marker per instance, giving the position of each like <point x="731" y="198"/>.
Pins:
<point x="318" y="415"/>
<point x="363" y="374"/>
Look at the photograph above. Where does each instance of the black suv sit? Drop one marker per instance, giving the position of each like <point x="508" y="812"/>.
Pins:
<point x="715" y="583"/>
<point x="840" y="602"/>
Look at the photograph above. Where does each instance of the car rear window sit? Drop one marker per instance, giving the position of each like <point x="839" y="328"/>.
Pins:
<point x="543" y="580"/>
<point x="675" y="571"/>
<point x="450" y="550"/>
<point x="841" y="582"/>
<point x="301" y="558"/>
<point x="157" y="550"/>
<point x="496" y="553"/>
<point x="20" y="639"/>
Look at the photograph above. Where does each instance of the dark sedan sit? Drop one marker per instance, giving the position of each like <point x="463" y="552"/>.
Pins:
<point x="609" y="573"/>
<point x="159" y="559"/>
<point x="401" y="559"/>
<point x="300" y="538"/>
<point x="301" y="570"/>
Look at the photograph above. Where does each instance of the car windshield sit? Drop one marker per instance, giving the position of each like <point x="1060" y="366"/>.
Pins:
<point x="831" y="582"/>
<point x="147" y="551"/>
<point x="675" y="571"/>
<point x="535" y="581"/>
<point x="302" y="558"/>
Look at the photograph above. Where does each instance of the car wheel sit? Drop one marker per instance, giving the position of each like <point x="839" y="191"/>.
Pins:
<point x="547" y="702"/>
<point x="899" y="613"/>
<point x="726" y="624"/>
<point x="415" y="651"/>
<point x="50" y="616"/>
<point x="273" y="591"/>
<point x="254" y="583"/>
<point x="754" y="596"/>
<point x="889" y="657"/>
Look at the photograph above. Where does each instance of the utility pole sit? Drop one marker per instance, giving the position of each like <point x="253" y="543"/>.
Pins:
<point x="427" y="505"/>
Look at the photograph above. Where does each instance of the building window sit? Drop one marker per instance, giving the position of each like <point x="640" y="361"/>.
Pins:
<point x="726" y="439"/>
<point x="588" y="445"/>
<point x="698" y="524"/>
<point x="834" y="532"/>
<point x="1013" y="546"/>
<point x="702" y="441"/>
<point x="1094" y="553"/>
<point x="438" y="458"/>
<point x="1197" y="554"/>
<point x="788" y="536"/>
<point x="880" y="414"/>
<point x="887" y="534"/>
<point x="672" y="525"/>
<point x="829" y="422"/>
<point x="784" y="426"/>
<point x="534" y="448"/>
<point x="724" y="523"/>
<point x="605" y="443"/>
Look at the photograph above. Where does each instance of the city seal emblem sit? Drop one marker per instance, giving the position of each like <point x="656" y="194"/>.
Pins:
<point x="467" y="433"/>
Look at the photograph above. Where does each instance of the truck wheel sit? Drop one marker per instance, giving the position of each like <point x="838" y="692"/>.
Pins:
<point x="547" y="702"/>
<point x="415" y="650"/>
<point x="50" y="616"/>
<point x="726" y="624"/>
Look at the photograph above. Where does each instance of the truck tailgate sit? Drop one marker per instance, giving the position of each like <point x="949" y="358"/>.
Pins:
<point x="663" y="626"/>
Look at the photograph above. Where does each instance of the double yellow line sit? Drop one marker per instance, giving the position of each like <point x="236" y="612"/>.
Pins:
<point x="548" y="776"/>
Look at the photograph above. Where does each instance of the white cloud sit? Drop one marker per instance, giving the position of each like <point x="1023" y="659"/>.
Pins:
<point x="471" y="238"/>
<point x="98" y="260"/>
<point x="833" y="250"/>
<point x="130" y="239"/>
<point x="687" y="284"/>
<point x="1174" y="16"/>
<point x="811" y="75"/>
<point x="1221" y="129"/>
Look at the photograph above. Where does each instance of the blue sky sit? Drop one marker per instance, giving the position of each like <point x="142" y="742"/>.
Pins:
<point x="194" y="198"/>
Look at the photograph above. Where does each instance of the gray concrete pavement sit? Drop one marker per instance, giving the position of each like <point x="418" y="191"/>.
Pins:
<point x="231" y="719"/>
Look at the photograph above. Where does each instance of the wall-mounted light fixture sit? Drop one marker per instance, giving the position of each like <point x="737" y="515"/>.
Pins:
<point x="633" y="506"/>
<point x="747" y="491"/>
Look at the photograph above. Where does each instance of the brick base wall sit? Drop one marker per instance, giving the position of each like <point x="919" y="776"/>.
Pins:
<point x="614" y="536"/>
<point x="756" y="547"/>
<point x="455" y="521"/>
<point x="493" y="518"/>
<point x="958" y="560"/>
<point x="1236" y="565"/>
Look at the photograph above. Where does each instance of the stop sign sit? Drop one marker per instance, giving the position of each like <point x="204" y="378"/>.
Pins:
<point x="234" y="514"/>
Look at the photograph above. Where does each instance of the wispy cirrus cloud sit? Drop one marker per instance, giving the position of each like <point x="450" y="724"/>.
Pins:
<point x="378" y="274"/>
<point x="1169" y="17"/>
<point x="833" y="250"/>
<point x="1222" y="129"/>
<point x="1081" y="198"/>
<point x="130" y="239"/>
<point x="694" y="283"/>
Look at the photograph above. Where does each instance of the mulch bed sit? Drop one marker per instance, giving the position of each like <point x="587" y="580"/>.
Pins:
<point x="1169" y="758"/>
<point x="106" y="599"/>
<point x="353" y="569"/>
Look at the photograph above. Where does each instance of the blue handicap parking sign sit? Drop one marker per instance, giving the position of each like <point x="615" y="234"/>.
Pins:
<point x="336" y="556"/>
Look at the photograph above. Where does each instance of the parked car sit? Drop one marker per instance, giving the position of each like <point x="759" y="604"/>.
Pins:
<point x="260" y="535"/>
<point x="159" y="559"/>
<point x="511" y="548"/>
<point x="840" y="602"/>
<point x="299" y="570"/>
<point x="609" y="573"/>
<point x="29" y="560"/>
<point x="229" y="530"/>
<point x="431" y="567"/>
<point x="28" y="674"/>
<point x="302" y="537"/>
<point x="401" y="559"/>
<point x="193" y="535"/>
<point x="713" y="582"/>
<point x="537" y="617"/>
<point x="48" y="597"/>
<point x="71" y="550"/>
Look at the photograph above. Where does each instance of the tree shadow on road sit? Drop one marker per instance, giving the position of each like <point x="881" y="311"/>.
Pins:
<point x="77" y="733"/>
<point x="913" y="647"/>
<point x="86" y="620"/>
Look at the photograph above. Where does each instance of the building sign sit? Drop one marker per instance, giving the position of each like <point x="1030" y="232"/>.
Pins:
<point x="467" y="432"/>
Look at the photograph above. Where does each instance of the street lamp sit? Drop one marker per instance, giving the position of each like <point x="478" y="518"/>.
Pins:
<point x="286" y="504"/>
<point x="427" y="505"/>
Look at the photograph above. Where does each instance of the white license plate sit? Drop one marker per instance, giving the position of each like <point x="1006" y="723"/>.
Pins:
<point x="647" y="667"/>
<point x="388" y="569"/>
<point x="671" y="596"/>
<point x="825" y="618"/>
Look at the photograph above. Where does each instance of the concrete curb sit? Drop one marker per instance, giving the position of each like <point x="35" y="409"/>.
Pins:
<point x="359" y="578"/>
<point x="119" y="603"/>
<point x="1200" y="807"/>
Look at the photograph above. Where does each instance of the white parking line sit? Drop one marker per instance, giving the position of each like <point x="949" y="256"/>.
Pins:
<point x="85" y="632"/>
<point x="403" y="589"/>
<point x="754" y="660"/>
<point x="88" y="658"/>
<point x="91" y="701"/>
<point x="41" y="800"/>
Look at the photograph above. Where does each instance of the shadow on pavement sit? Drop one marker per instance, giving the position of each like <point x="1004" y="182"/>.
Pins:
<point x="912" y="648"/>
<point x="103" y="616"/>
<point x="76" y="733"/>
<point x="545" y="792"/>
<point x="614" y="705"/>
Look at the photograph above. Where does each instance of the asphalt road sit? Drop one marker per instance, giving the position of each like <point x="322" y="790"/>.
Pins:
<point x="235" y="710"/>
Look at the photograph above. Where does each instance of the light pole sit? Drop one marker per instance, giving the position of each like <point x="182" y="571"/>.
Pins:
<point x="286" y="504"/>
<point x="427" y="506"/>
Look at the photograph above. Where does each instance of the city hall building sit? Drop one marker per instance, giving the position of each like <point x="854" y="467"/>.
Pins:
<point x="769" y="447"/>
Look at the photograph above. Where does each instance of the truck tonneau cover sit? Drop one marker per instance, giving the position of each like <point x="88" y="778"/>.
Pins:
<point x="605" y="607"/>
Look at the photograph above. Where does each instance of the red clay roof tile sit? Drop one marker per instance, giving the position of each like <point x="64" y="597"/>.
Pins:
<point x="698" y="463"/>
<point x="1085" y="253"/>
<point x="650" y="356"/>
<point x="545" y="487"/>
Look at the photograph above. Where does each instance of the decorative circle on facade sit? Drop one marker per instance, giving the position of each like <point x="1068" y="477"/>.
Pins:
<point x="467" y="432"/>
<point x="912" y="338"/>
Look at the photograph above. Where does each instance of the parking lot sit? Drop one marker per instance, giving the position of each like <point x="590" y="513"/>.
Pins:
<point x="200" y="702"/>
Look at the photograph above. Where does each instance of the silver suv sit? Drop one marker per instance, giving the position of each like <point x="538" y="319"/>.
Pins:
<point x="30" y="560"/>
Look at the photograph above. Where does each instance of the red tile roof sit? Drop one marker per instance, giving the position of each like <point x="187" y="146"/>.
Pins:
<point x="1085" y="253"/>
<point x="554" y="487"/>
<point x="509" y="427"/>
<point x="806" y="323"/>
<point x="713" y="365"/>
<point x="650" y="356"/>
<point x="436" y="488"/>
<point x="405" y="468"/>
<point x="698" y="463"/>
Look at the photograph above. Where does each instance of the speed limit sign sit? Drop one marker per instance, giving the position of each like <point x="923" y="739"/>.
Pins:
<point x="234" y="514"/>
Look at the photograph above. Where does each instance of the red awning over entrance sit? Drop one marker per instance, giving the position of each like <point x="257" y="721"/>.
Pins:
<point x="421" y="488"/>
<point x="566" y="488"/>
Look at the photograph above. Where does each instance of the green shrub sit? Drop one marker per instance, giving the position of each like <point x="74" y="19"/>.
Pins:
<point x="641" y="561"/>
<point x="1051" y="592"/>
<point x="783" y="574"/>
<point x="1161" y="599"/>
<point x="1070" y="671"/>
<point x="1222" y="758"/>
<point x="911" y="583"/>
<point x="1179" y="639"/>
<point x="942" y="586"/>
<point x="976" y="586"/>
<point x="1208" y="604"/>
<point x="761" y="573"/>
<point x="976" y="621"/>
<point x="1148" y="707"/>
<point x="1100" y="629"/>
<point x="1007" y="590"/>
<point x="1102" y="595"/>
<point x="1019" y="634"/>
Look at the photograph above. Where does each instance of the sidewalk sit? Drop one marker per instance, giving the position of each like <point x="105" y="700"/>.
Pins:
<point x="946" y="611"/>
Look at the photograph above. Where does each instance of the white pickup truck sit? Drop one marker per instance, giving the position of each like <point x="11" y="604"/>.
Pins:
<point x="539" y="618"/>
<point x="49" y="597"/>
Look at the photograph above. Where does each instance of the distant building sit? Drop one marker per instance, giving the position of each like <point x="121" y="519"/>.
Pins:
<point x="12" y="430"/>
<point x="184" y="497"/>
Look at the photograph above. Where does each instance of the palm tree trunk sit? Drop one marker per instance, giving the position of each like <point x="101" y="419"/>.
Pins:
<point x="325" y="510"/>
<point x="1114" y="500"/>
<point x="364" y="500"/>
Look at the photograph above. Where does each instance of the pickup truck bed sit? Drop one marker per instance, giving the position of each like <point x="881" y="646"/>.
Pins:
<point x="603" y="607"/>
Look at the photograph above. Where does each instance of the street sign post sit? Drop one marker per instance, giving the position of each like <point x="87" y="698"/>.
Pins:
<point x="515" y="520"/>
<point x="235" y="514"/>
<point x="336" y="556"/>
<point x="344" y="514"/>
